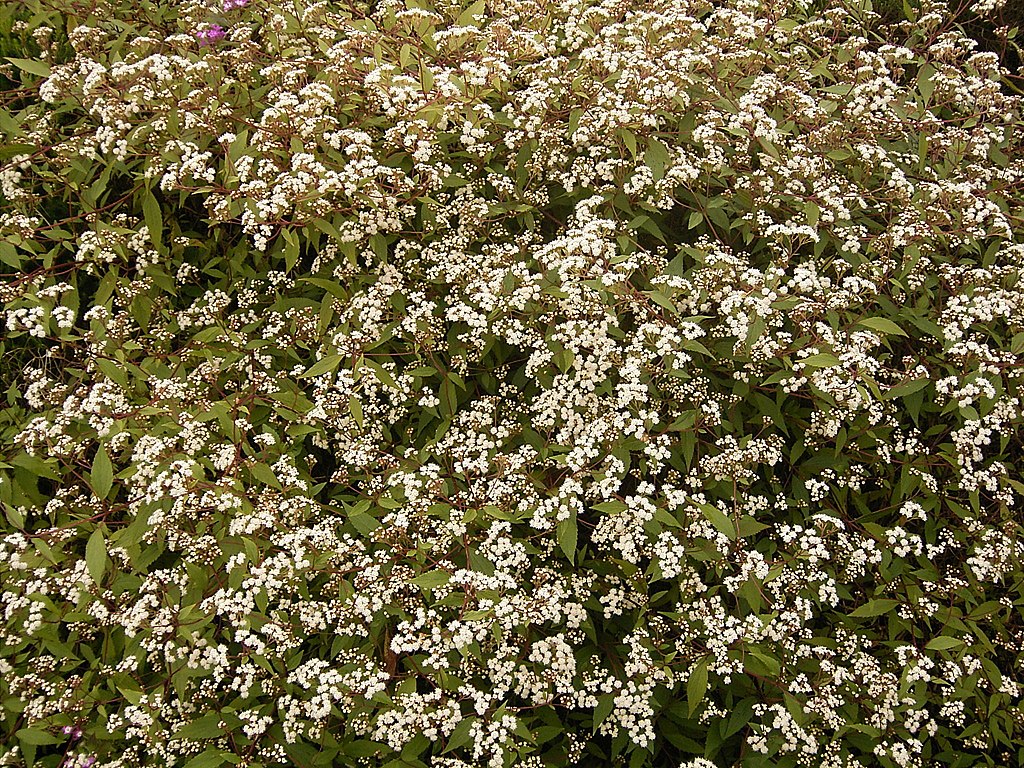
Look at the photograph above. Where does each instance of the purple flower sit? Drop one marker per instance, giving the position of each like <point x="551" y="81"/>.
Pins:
<point x="212" y="35"/>
<point x="230" y="5"/>
<point x="87" y="763"/>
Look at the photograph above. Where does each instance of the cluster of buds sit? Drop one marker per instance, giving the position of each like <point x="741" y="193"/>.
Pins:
<point x="215" y="33"/>
<point x="230" y="5"/>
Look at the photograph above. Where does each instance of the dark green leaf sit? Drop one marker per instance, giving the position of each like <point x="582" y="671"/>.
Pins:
<point x="697" y="685"/>
<point x="567" y="536"/>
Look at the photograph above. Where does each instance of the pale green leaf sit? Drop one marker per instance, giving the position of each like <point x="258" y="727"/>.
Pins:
<point x="206" y="727"/>
<point x="37" y="68"/>
<point x="943" y="643"/>
<point x="102" y="474"/>
<point x="875" y="608"/>
<point x="327" y="364"/>
<point x="96" y="555"/>
<point x="431" y="579"/>
<point x="882" y="325"/>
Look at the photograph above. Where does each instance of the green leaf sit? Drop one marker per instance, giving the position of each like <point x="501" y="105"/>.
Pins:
<point x="612" y="507"/>
<point x="662" y="300"/>
<point x="697" y="685"/>
<point x="364" y="523"/>
<point x="14" y="516"/>
<point x="926" y="81"/>
<point x="9" y="125"/>
<point x="629" y="139"/>
<point x="291" y="248"/>
<point x="96" y="555"/>
<point x="35" y="465"/>
<point x="720" y="520"/>
<point x="567" y="534"/>
<point x="748" y="526"/>
<point x="113" y="371"/>
<point x="364" y="748"/>
<point x="739" y="717"/>
<point x="38" y="68"/>
<point x="154" y="220"/>
<point x="206" y="727"/>
<point x="906" y="388"/>
<point x="431" y="579"/>
<point x="449" y="397"/>
<point x="943" y="643"/>
<point x="327" y="364"/>
<point x="9" y="254"/>
<point x="332" y="287"/>
<point x="882" y="325"/>
<point x="211" y="758"/>
<point x="657" y="158"/>
<point x="355" y="407"/>
<point x="813" y="213"/>
<point x="875" y="608"/>
<point x="466" y="19"/>
<point x="460" y="736"/>
<point x="102" y="475"/>
<point x="264" y="474"/>
<point x="605" y="705"/>
<point x="766" y="664"/>
<point x="36" y="736"/>
<point x="823" y="360"/>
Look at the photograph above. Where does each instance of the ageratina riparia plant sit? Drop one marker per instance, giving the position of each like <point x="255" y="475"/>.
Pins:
<point x="524" y="383"/>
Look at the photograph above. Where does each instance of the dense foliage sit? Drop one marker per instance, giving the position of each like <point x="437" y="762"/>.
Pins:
<point x="529" y="382"/>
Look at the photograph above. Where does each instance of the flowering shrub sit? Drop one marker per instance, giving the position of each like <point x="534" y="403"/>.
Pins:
<point x="533" y="383"/>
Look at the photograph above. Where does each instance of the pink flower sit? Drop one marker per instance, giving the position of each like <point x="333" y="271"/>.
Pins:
<point x="230" y="5"/>
<point x="212" y="35"/>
